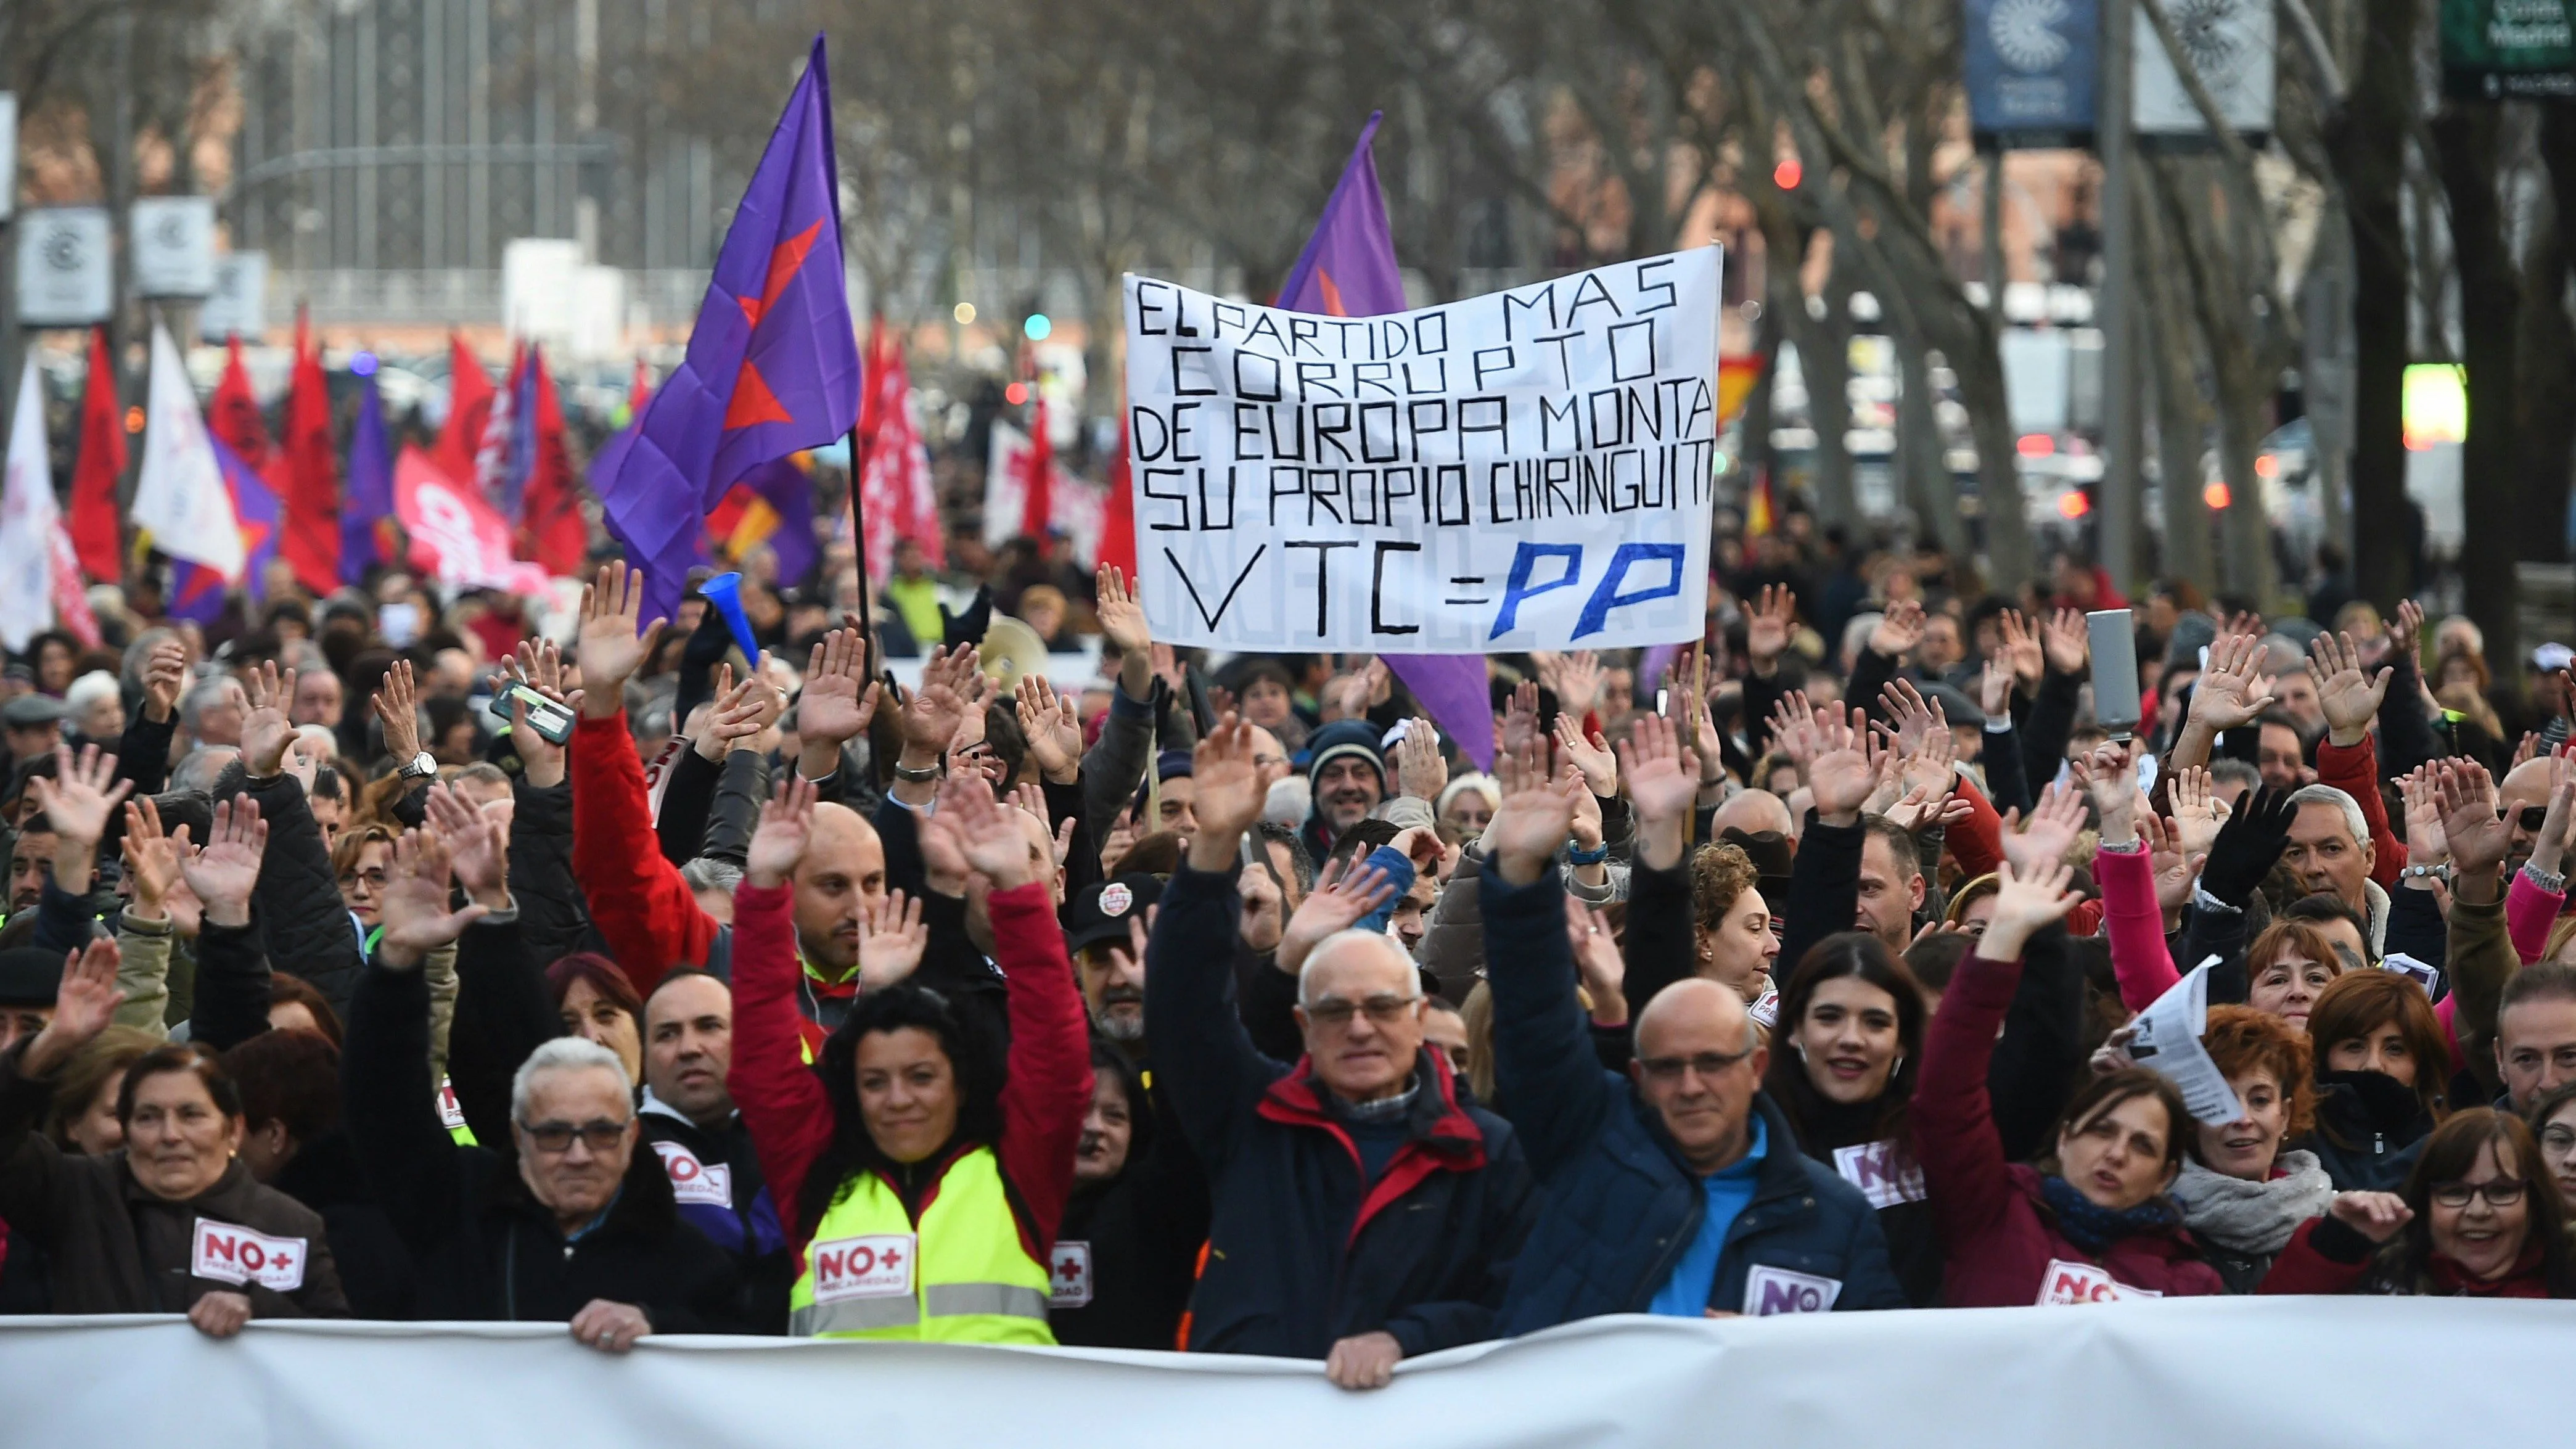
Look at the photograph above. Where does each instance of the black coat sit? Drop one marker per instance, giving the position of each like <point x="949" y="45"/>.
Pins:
<point x="746" y="1225"/>
<point x="375" y="1268"/>
<point x="482" y="1247"/>
<point x="552" y="910"/>
<point x="2370" y="1129"/>
<point x="1139" y="1235"/>
<point x="297" y="901"/>
<point x="1302" y="1252"/>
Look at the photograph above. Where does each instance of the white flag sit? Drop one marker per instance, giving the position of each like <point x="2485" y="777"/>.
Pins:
<point x="181" y="495"/>
<point x="27" y="513"/>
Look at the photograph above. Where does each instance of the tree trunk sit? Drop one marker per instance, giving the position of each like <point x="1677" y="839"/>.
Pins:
<point x="1823" y="359"/>
<point x="2182" y="414"/>
<point x="2369" y="151"/>
<point x="2549" y="355"/>
<point x="2490" y="301"/>
<point x="1922" y="472"/>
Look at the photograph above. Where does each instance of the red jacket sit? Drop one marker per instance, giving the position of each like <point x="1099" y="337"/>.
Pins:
<point x="1044" y="1098"/>
<point x="2354" y="769"/>
<point x="1977" y="844"/>
<point x="642" y="908"/>
<point x="1996" y="1237"/>
<point x="2347" y="1258"/>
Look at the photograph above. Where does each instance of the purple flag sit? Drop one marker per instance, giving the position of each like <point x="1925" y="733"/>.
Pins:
<point x="789" y="492"/>
<point x="1348" y="269"/>
<point x="773" y="362"/>
<point x="197" y="592"/>
<point x="369" y="498"/>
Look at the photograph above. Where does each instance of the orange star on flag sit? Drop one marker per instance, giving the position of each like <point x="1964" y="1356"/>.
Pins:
<point x="753" y="402"/>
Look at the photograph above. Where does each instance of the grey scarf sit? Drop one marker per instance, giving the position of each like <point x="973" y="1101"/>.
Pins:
<point x="2253" y="1217"/>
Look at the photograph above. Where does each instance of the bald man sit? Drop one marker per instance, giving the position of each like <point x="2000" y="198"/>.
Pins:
<point x="1751" y="811"/>
<point x="1677" y="1189"/>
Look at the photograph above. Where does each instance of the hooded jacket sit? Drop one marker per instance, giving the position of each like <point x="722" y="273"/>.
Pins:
<point x="1302" y="1250"/>
<point x="112" y="1247"/>
<point x="2370" y="1129"/>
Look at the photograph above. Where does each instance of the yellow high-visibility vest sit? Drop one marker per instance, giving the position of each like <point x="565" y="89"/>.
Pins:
<point x="959" y="1276"/>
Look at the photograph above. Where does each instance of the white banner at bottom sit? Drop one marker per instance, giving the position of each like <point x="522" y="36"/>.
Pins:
<point x="2270" y="1371"/>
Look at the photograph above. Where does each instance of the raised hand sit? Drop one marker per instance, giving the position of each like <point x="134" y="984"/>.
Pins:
<point x="1520" y="718"/>
<point x="77" y="801"/>
<point x="1994" y="688"/>
<point x="1053" y="728"/>
<point x="2249" y="843"/>
<point x="165" y="674"/>
<point x="1905" y="705"/>
<point x="2378" y="1216"/>
<point x="2025" y="900"/>
<point x="1899" y="629"/>
<point x="932" y="714"/>
<point x="2022" y="647"/>
<point x="2197" y="811"/>
<point x="1533" y="821"/>
<point x="1586" y="824"/>
<point x="1846" y="769"/>
<point x="2478" y="836"/>
<point x="1931" y="764"/>
<point x="1793" y="731"/>
<point x="1345" y="893"/>
<point x="1663" y="780"/>
<point x="265" y="730"/>
<point x="475" y="846"/>
<point x="2350" y="698"/>
<point x="397" y="707"/>
<point x="2425" y="843"/>
<point x="1589" y="754"/>
<point x="2233" y="691"/>
<point x="786" y="825"/>
<point x="2044" y="839"/>
<point x="1597" y="962"/>
<point x="891" y="940"/>
<point x="614" y="641"/>
<point x="2110" y="774"/>
<point x="743" y="715"/>
<point x="412" y="907"/>
<point x="1122" y="617"/>
<point x="1575" y="678"/>
<point x="151" y="858"/>
<point x="1420" y="770"/>
<point x="541" y="760"/>
<point x="222" y="874"/>
<point x="2406" y="632"/>
<point x="985" y="832"/>
<point x="2558" y="822"/>
<point x="838" y="699"/>
<point x="1767" y="626"/>
<point x="1229" y="785"/>
<point x="2068" y="646"/>
<point x="2174" y="868"/>
<point x="84" y="1005"/>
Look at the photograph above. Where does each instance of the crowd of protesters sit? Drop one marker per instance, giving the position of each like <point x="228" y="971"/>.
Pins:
<point x="617" y="979"/>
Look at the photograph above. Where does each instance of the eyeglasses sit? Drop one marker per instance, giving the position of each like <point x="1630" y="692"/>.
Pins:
<point x="2500" y="1192"/>
<point x="373" y="880"/>
<point x="1335" y="1013"/>
<point x="2529" y="818"/>
<point x="555" y="1138"/>
<point x="1707" y="1064"/>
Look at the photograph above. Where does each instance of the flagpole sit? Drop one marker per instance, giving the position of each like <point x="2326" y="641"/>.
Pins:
<point x="859" y="564"/>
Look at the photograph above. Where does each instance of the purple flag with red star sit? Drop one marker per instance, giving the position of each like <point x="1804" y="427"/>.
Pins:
<point x="1348" y="269"/>
<point x="197" y="592"/>
<point x="773" y="363"/>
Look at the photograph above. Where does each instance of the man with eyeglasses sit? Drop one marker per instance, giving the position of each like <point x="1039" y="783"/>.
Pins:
<point x="1679" y="1190"/>
<point x="580" y="1228"/>
<point x="1363" y="1213"/>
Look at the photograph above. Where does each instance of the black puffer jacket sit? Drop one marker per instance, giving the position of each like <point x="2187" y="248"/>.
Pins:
<point x="2370" y="1129"/>
<point x="552" y="910"/>
<point x="297" y="900"/>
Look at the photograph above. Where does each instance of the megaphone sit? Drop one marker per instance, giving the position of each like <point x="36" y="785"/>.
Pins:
<point x="725" y="592"/>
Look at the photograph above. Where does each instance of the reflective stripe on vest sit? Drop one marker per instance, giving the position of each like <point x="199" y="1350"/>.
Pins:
<point x="970" y="1282"/>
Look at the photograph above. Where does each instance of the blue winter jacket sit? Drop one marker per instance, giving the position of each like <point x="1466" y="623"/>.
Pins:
<point x="1617" y="1205"/>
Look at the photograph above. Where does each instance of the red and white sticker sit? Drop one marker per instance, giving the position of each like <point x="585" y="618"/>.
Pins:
<point x="878" y="1265"/>
<point x="451" y="1113"/>
<point x="2069" y="1283"/>
<point x="1882" y="1174"/>
<point x="709" y="1183"/>
<point x="1069" y="1275"/>
<point x="231" y="1254"/>
<point x="1769" y="1291"/>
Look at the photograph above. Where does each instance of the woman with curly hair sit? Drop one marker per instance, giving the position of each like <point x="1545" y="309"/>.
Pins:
<point x="1732" y="940"/>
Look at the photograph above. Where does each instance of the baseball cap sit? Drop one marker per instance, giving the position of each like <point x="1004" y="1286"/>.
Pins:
<point x="1098" y="913"/>
<point x="2550" y="658"/>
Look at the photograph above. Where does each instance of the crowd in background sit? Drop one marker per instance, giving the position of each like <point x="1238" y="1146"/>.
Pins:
<point x="386" y="955"/>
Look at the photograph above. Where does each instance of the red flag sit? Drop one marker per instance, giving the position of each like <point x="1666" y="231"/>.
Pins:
<point x="1118" y="510"/>
<point x="896" y="498"/>
<point x="1037" y="479"/>
<point x="638" y="392"/>
<point x="490" y="473"/>
<point x="101" y="463"/>
<point x="305" y="473"/>
<point x="551" y="527"/>
<point x="469" y="408"/>
<point x="233" y="416"/>
<point x="882" y="358"/>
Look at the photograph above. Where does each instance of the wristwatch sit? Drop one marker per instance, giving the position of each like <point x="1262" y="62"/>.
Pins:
<point x="918" y="775"/>
<point x="418" y="767"/>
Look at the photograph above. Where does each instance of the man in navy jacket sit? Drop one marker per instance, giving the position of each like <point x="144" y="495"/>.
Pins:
<point x="1363" y="1213"/>
<point x="1676" y="1190"/>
